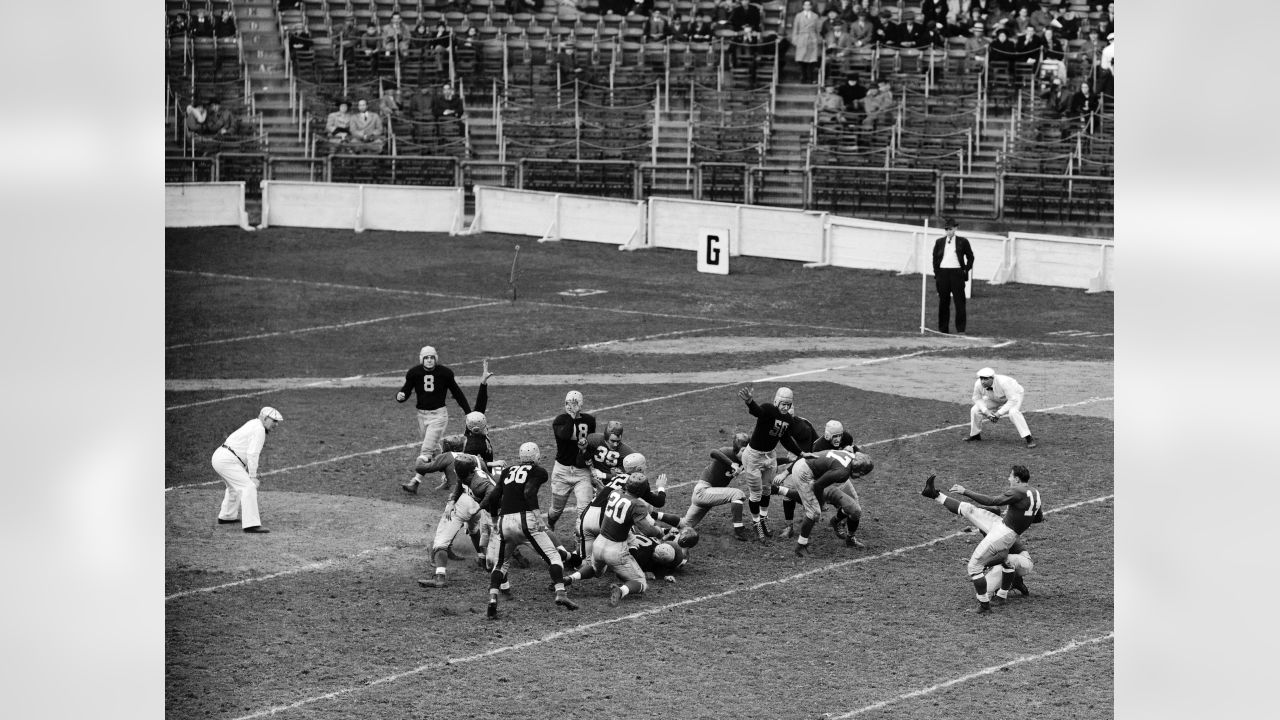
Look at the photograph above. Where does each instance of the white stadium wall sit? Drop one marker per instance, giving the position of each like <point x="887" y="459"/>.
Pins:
<point x="205" y="205"/>
<point x="804" y="236"/>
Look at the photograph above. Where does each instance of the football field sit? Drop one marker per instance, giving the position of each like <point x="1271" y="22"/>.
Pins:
<point x="323" y="618"/>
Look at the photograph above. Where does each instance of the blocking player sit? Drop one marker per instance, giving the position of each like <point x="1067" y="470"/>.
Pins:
<point x="604" y="452"/>
<point x="624" y="512"/>
<point x="589" y="522"/>
<point x="834" y="437"/>
<point x="431" y="382"/>
<point x="657" y="558"/>
<point x="774" y="424"/>
<point x="713" y="488"/>
<point x="1023" y="507"/>
<point x="472" y="485"/>
<point x="514" y="506"/>
<point x="569" y="474"/>
<point x="818" y="475"/>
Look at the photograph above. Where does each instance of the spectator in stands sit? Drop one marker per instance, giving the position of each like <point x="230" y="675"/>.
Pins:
<point x="681" y="28"/>
<point x="225" y="27"/>
<point x="366" y="130"/>
<point x="466" y="54"/>
<point x="830" y="106"/>
<point x="300" y="38"/>
<point x="370" y="46"/>
<point x="1030" y="48"/>
<point x="440" y="44"/>
<point x="179" y="25"/>
<point x="1086" y="104"/>
<point x="1091" y="52"/>
<point x="345" y="41"/>
<point x="419" y="37"/>
<point x="879" y="105"/>
<point x="1020" y="22"/>
<point x="1057" y="97"/>
<point x="1107" y="67"/>
<point x="852" y="94"/>
<point x="1038" y="16"/>
<point x="389" y="105"/>
<point x="721" y="17"/>
<point x="862" y="32"/>
<point x="1067" y="22"/>
<point x="567" y="61"/>
<point x="657" y="28"/>
<point x="517" y="7"/>
<point x="830" y="19"/>
<point x="703" y="30"/>
<point x="910" y="34"/>
<point x="806" y="36"/>
<point x="1107" y="22"/>
<point x="746" y="52"/>
<point x="839" y="47"/>
<point x="886" y="28"/>
<point x="202" y="24"/>
<point x="933" y="11"/>
<point x="1054" y="64"/>
<point x="975" y="47"/>
<point x="1004" y="53"/>
<point x="221" y="121"/>
<point x="744" y="14"/>
<point x="395" y="38"/>
<point x="337" y="127"/>
<point x="448" y="112"/>
<point x="197" y="116"/>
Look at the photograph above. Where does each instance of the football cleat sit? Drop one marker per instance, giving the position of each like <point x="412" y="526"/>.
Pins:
<point x="802" y="551"/>
<point x="973" y="438"/>
<point x="787" y="532"/>
<point x="506" y="592"/>
<point x="562" y="599"/>
<point x="741" y="534"/>
<point x="1021" y="587"/>
<point x="839" y="528"/>
<point x="492" y="612"/>
<point x="997" y="600"/>
<point x="929" y="490"/>
<point x="436" y="582"/>
<point x="615" y="596"/>
<point x="411" y="487"/>
<point x="984" y="608"/>
<point x="853" y="542"/>
<point x="764" y="527"/>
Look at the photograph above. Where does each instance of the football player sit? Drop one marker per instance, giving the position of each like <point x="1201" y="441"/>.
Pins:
<point x="604" y="452"/>
<point x="590" y="520"/>
<point x="713" y="489"/>
<point x="1023" y="508"/>
<point x="834" y="437"/>
<point x="569" y="474"/>
<point x="657" y="558"/>
<point x="473" y="484"/>
<point x="514" y="506"/>
<point x="624" y="512"/>
<point x="775" y="424"/>
<point x="430" y="380"/>
<point x="816" y="474"/>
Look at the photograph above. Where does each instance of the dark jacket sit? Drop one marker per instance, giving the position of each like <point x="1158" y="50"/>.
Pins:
<point x="963" y="252"/>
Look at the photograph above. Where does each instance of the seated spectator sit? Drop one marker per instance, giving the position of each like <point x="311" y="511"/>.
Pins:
<point x="1054" y="64"/>
<point x="830" y="19"/>
<point x="862" y="32"/>
<point x="682" y="29"/>
<point x="197" y="116"/>
<point x="225" y="27"/>
<point x="337" y="127"/>
<point x="1004" y="51"/>
<point x="1029" y="48"/>
<point x="1020" y="22"/>
<point x="879" y="105"/>
<point x="933" y="12"/>
<point x="370" y="46"/>
<point x="300" y="38"/>
<point x="744" y="14"/>
<point x="395" y="38"/>
<point x="703" y="30"/>
<point x="1084" y="104"/>
<point x="178" y="25"/>
<point x="1068" y="22"/>
<point x="366" y="130"/>
<point x="746" y="51"/>
<point x="830" y="106"/>
<point x="466" y="54"/>
<point x="657" y="28"/>
<point x="838" y="45"/>
<point x="1038" y="16"/>
<point x="344" y="44"/>
<point x="447" y="111"/>
<point x="720" y="17"/>
<point x="567" y="61"/>
<point x="975" y="47"/>
<point x="222" y="122"/>
<point x="389" y="104"/>
<point x="440" y="43"/>
<point x="1057" y="96"/>
<point x="852" y="94"/>
<point x="1091" y="51"/>
<point x="910" y="34"/>
<point x="202" y="24"/>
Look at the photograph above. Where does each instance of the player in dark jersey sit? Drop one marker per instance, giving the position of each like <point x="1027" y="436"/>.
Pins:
<point x="472" y="484"/>
<point x="514" y="506"/>
<point x="999" y="579"/>
<point x="713" y="488"/>
<point x="624" y="512"/>
<point x="812" y="476"/>
<point x="843" y="495"/>
<point x="604" y="451"/>
<point x="589" y="522"/>
<point x="1023" y="507"/>
<point x="432" y="383"/>
<point x="774" y="424"/>
<point x="657" y="558"/>
<point x="569" y="474"/>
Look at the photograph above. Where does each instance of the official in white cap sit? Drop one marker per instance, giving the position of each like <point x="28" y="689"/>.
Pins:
<point x="996" y="396"/>
<point x="236" y="462"/>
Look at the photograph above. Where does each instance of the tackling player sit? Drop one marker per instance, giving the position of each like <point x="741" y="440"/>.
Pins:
<point x="589" y="522"/>
<point x="431" y="382"/>
<point x="463" y="509"/>
<point x="514" y="507"/>
<point x="1024" y="507"/>
<point x="569" y="474"/>
<point x="713" y="489"/>
<point x="818" y="474"/>
<point x="774" y="424"/>
<point x="604" y="452"/>
<point x="623" y="511"/>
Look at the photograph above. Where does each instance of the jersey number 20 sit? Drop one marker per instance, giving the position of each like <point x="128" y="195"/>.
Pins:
<point x="617" y="507"/>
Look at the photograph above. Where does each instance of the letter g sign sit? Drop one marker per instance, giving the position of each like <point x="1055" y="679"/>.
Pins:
<point x="713" y="250"/>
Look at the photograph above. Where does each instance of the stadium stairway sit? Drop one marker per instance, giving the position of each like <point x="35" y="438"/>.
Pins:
<point x="268" y="76"/>
<point x="790" y="134"/>
<point x="977" y="194"/>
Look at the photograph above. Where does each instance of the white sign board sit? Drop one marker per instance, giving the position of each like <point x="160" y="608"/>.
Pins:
<point x="713" y="250"/>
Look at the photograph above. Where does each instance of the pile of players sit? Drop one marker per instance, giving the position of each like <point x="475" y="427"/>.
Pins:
<point x="620" y="526"/>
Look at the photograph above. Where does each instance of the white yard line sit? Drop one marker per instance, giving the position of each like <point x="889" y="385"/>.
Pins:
<point x="586" y="627"/>
<point x="328" y="381"/>
<point x="1073" y="645"/>
<point x="320" y="328"/>
<point x="310" y="567"/>
<point x="543" y="421"/>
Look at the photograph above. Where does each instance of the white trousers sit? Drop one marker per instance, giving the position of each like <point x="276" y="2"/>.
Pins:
<point x="431" y="424"/>
<point x="241" y="499"/>
<point x="977" y="417"/>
